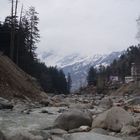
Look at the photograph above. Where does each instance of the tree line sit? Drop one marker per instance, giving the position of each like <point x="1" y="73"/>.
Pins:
<point x="19" y="36"/>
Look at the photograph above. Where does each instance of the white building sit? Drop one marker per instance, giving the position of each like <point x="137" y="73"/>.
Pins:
<point x="114" y="78"/>
<point x="129" y="79"/>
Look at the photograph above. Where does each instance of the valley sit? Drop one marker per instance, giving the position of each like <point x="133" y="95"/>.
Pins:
<point x="78" y="65"/>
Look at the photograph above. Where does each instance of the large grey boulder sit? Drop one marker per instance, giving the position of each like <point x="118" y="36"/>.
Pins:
<point x="5" y="104"/>
<point x="100" y="121"/>
<point x="89" y="136"/>
<point x="113" y="119"/>
<point x="73" y="119"/>
<point x="117" y="117"/>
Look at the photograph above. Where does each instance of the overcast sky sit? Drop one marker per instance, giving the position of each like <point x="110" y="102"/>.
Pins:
<point x="85" y="26"/>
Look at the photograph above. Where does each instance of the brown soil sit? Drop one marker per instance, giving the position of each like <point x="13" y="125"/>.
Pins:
<point x="15" y="83"/>
<point x="132" y="88"/>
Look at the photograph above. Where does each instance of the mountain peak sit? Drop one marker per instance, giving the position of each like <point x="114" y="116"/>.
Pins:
<point x="78" y="65"/>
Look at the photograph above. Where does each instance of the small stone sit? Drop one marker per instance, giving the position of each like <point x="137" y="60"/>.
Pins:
<point x="128" y="129"/>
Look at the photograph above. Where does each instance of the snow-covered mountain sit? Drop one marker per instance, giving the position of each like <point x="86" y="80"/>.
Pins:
<point x="77" y="65"/>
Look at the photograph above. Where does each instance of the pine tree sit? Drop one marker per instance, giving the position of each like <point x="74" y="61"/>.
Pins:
<point x="92" y="76"/>
<point x="13" y="27"/>
<point x="101" y="79"/>
<point x="34" y="36"/>
<point x="69" y="83"/>
<point x="26" y="35"/>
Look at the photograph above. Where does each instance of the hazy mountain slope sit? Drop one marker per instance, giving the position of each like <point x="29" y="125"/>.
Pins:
<point x="78" y="65"/>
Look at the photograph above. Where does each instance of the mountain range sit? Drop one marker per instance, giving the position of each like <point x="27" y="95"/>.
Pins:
<point x="77" y="65"/>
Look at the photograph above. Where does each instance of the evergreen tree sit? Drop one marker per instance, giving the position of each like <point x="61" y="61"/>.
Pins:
<point x="69" y="83"/>
<point x="33" y="35"/>
<point x="101" y="80"/>
<point x="92" y="76"/>
<point x="26" y="35"/>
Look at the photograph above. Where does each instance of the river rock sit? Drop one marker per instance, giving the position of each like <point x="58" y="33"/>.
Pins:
<point x="5" y="104"/>
<point x="80" y="106"/>
<point x="106" y="103"/>
<point x="80" y="129"/>
<point x="128" y="130"/>
<point x="134" y="101"/>
<point x="73" y="119"/>
<point x="113" y="119"/>
<point x="117" y="117"/>
<point x="57" y="131"/>
<point x="99" y="131"/>
<point x="23" y="135"/>
<point x="54" y="137"/>
<point x="100" y="121"/>
<point x="131" y="138"/>
<point x="89" y="136"/>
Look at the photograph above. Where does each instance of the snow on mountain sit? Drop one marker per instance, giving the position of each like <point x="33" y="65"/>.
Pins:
<point x="78" y="65"/>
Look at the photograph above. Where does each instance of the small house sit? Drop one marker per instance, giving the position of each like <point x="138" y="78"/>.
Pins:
<point x="114" y="78"/>
<point x="135" y="71"/>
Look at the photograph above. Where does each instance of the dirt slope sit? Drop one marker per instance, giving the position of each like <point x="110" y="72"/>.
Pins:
<point x="15" y="83"/>
<point x="129" y="89"/>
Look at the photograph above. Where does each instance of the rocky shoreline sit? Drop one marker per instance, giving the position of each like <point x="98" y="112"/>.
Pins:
<point x="71" y="117"/>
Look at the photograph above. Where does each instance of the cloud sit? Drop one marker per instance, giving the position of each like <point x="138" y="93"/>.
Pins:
<point x="84" y="26"/>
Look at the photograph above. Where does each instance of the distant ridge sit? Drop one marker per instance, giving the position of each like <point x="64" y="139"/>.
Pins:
<point x="77" y="65"/>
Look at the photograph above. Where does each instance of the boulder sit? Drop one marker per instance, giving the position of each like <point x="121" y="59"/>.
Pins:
<point x="73" y="119"/>
<point x="57" y="131"/>
<point x="128" y="130"/>
<point x="23" y="135"/>
<point x="113" y="119"/>
<point x="43" y="133"/>
<point x="54" y="137"/>
<point x="89" y="136"/>
<point x="80" y="129"/>
<point x="5" y="104"/>
<point x="117" y="117"/>
<point x="99" y="121"/>
<point x="131" y="138"/>
<point x="80" y="106"/>
<point x="106" y="103"/>
<point x="45" y="102"/>
<point x="100" y="131"/>
<point x="134" y="101"/>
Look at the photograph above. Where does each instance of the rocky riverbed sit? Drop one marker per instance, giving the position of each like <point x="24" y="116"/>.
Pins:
<point x="71" y="117"/>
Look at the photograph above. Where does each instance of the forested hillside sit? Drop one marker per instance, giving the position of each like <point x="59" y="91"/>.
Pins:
<point x="121" y="68"/>
<point x="18" y="40"/>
